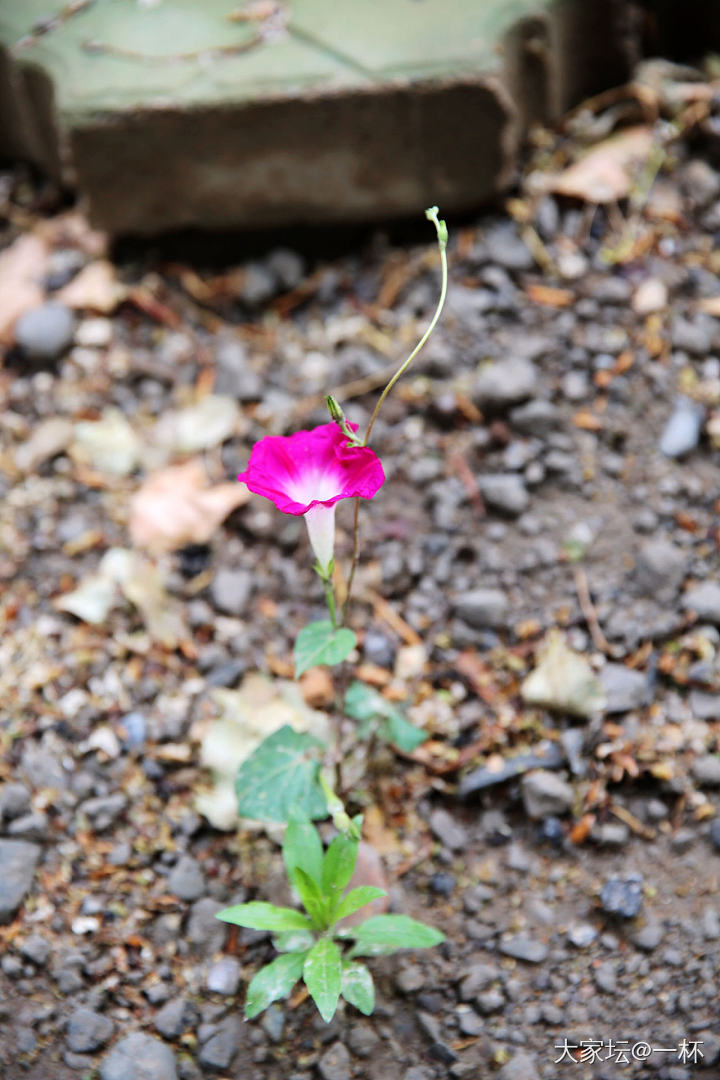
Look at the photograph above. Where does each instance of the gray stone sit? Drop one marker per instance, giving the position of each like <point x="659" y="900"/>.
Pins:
<point x="469" y="1022"/>
<point x="622" y="896"/>
<point x="287" y="266"/>
<point x="379" y="649"/>
<point x="449" y="831"/>
<point x="483" y="608"/>
<point x="104" y="810"/>
<point x="710" y="924"/>
<point x="545" y="794"/>
<point x="224" y="976"/>
<point x="704" y="601"/>
<point x="714" y="833"/>
<point x="582" y="935"/>
<point x="235" y="377"/>
<point x="204" y="933"/>
<point x="41" y="765"/>
<point x="139" y="1057"/>
<point x="624" y="688"/>
<point x="66" y="970"/>
<point x="273" y="1023"/>
<point x="186" y="880"/>
<point x="505" y="382"/>
<point x="222" y="1046"/>
<point x="505" y="492"/>
<point x="703" y="705"/>
<point x="256" y="284"/>
<point x="335" y="1063"/>
<point x="521" y="947"/>
<point x="87" y="1031"/>
<point x="230" y="590"/>
<point x="611" y="834"/>
<point x="362" y="1040"/>
<point x="45" y="332"/>
<point x="476" y="978"/>
<point x="29" y="827"/>
<point x="18" y="860"/>
<point x="660" y="569"/>
<point x="700" y="182"/>
<point x="536" y="418"/>
<point x="172" y="1019"/>
<point x="706" y="770"/>
<point x="506" y="248"/>
<point x="606" y="977"/>
<point x="694" y="336"/>
<point x="649" y="936"/>
<point x="14" y="800"/>
<point x="490" y="1001"/>
<point x="36" y="948"/>
<point x="681" y="433"/>
<point x="520" y="1067"/>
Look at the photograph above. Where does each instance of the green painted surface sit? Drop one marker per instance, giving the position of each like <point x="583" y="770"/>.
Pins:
<point x="118" y="54"/>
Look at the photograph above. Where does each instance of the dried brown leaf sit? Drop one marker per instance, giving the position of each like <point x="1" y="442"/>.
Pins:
<point x="176" y="506"/>
<point x="22" y="267"/>
<point x="609" y="171"/>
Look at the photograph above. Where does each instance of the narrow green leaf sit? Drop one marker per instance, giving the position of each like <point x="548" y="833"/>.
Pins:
<point x="363" y="703"/>
<point x="356" y="899"/>
<point x="323" y="976"/>
<point x="322" y="643"/>
<point x="400" y="732"/>
<point x="257" y="915"/>
<point x="294" y="941"/>
<point x="357" y="987"/>
<point x="338" y="866"/>
<point x="302" y="846"/>
<point x="274" y="981"/>
<point x="313" y="900"/>
<point x="280" y="775"/>
<point x="385" y="934"/>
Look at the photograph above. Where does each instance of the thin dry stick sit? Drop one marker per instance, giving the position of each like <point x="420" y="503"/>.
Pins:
<point x="589" y="613"/>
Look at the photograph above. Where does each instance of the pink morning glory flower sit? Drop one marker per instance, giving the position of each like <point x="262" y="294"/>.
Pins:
<point x="307" y="473"/>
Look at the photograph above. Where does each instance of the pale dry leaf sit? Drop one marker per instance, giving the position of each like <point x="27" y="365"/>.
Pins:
<point x="563" y="680"/>
<point x="176" y="506"/>
<point x="23" y="266"/>
<point x="49" y="438"/>
<point x="608" y="171"/>
<point x="108" y="445"/>
<point x="92" y="601"/>
<point x="202" y="426"/>
<point x="249" y="715"/>
<point x="95" y="288"/>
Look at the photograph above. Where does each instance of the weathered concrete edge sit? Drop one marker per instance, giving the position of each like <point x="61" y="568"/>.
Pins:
<point x="287" y="159"/>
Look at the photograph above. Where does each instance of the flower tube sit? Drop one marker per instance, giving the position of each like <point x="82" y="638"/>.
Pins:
<point x="307" y="473"/>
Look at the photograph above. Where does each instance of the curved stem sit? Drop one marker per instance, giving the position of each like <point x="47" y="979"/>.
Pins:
<point x="441" y="229"/>
<point x="442" y="237"/>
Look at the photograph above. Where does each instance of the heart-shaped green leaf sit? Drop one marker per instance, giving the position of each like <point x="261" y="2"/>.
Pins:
<point x="363" y="703"/>
<point x="281" y="774"/>
<point x="322" y="643"/>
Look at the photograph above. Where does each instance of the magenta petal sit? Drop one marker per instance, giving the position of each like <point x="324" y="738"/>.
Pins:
<point x="311" y="468"/>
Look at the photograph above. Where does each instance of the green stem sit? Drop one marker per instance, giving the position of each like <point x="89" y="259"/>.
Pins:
<point x="442" y="238"/>
<point x="330" y="600"/>
<point x="441" y="229"/>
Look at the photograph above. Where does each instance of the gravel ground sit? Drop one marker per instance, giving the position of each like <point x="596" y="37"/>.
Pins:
<point x="551" y="464"/>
